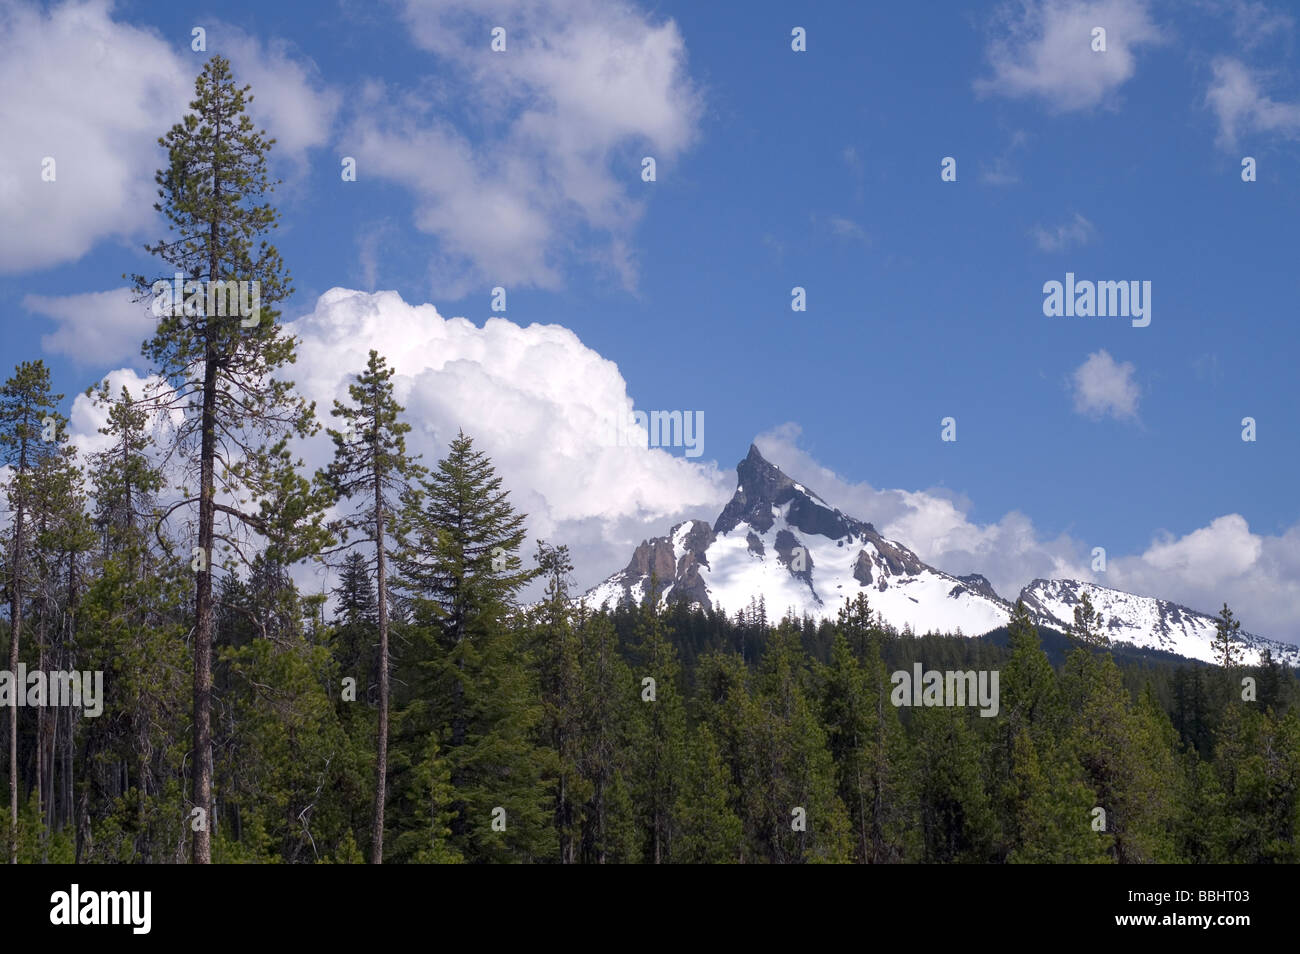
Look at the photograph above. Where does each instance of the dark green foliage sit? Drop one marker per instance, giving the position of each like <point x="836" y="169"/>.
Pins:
<point x="464" y="676"/>
<point x="870" y="752"/>
<point x="1227" y="638"/>
<point x="533" y="734"/>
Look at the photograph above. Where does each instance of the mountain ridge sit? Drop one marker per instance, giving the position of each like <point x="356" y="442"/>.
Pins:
<point x="780" y="541"/>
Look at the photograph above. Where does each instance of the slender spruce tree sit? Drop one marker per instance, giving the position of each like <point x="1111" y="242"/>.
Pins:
<point x="1087" y="629"/>
<point x="1227" y="638"/>
<point x="557" y="651"/>
<point x="371" y="462"/>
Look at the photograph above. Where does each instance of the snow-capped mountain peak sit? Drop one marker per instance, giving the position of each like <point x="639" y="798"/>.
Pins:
<point x="778" y="540"/>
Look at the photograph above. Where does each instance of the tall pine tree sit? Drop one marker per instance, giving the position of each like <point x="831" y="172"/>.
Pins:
<point x="218" y="371"/>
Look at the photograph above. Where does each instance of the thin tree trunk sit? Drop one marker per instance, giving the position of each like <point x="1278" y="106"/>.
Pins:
<point x="203" y="594"/>
<point x="68" y="655"/>
<point x="67" y="771"/>
<point x="15" y="636"/>
<point x="40" y="742"/>
<point x="203" y="622"/>
<point x="141" y="819"/>
<point x="381" y="757"/>
<point x="50" y="806"/>
<point x="561" y="818"/>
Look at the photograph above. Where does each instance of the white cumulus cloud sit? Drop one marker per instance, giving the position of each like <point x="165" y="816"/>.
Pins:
<point x="94" y="93"/>
<point x="1042" y="49"/>
<point x="1103" y="386"/>
<point x="537" y="400"/>
<point x="1257" y="575"/>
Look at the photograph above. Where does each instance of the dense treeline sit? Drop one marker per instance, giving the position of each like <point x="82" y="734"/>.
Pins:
<point x="422" y="711"/>
<point x="532" y="734"/>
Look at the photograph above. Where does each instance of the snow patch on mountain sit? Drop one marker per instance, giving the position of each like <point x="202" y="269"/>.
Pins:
<point x="1144" y="621"/>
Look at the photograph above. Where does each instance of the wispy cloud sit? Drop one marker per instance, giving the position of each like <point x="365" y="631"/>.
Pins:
<point x="1001" y="171"/>
<point x="94" y="327"/>
<point x="547" y="168"/>
<point x="857" y="168"/>
<point x="1072" y="234"/>
<point x="1242" y="108"/>
<point x="847" y="228"/>
<point x="1254" y="23"/>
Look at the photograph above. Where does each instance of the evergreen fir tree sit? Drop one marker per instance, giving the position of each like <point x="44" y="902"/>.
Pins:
<point x="1050" y="812"/>
<point x="658" y="729"/>
<point x="127" y="481"/>
<point x="869" y="751"/>
<point x="1114" y="748"/>
<point x="1043" y="800"/>
<point x="797" y="813"/>
<point x="1030" y="695"/>
<point x="608" y="695"/>
<point x="1227" y="638"/>
<point x="957" y="819"/>
<point x="467" y="676"/>
<point x="356" y="623"/>
<point x="426" y="841"/>
<point x="1271" y="694"/>
<point x="1087" y="628"/>
<point x="1257" y="766"/>
<point x="710" y="832"/>
<point x="859" y="625"/>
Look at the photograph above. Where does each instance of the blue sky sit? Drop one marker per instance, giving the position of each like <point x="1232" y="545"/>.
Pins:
<point x="777" y="168"/>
